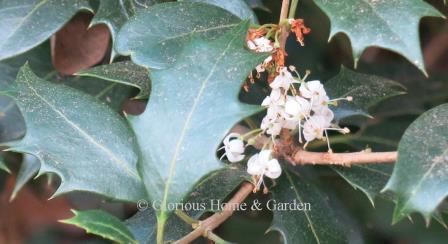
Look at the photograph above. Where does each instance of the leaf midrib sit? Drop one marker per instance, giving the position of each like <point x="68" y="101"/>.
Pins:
<point x="385" y="22"/>
<point x="313" y="230"/>
<point x="425" y="175"/>
<point x="84" y="133"/>
<point x="188" y="121"/>
<point x="19" y="25"/>
<point x="168" y="38"/>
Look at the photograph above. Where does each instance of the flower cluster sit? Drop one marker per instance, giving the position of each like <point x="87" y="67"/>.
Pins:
<point x="293" y="104"/>
<point x="305" y="109"/>
<point x="259" y="165"/>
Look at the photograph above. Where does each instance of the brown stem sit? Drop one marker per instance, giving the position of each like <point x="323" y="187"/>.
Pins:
<point x="284" y="11"/>
<point x="216" y="219"/>
<point x="345" y="159"/>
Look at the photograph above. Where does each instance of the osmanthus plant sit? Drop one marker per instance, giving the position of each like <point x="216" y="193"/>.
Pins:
<point x="194" y="63"/>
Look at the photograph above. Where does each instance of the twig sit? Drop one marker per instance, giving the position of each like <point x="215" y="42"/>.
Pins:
<point x="284" y="32"/>
<point x="216" y="219"/>
<point x="301" y="157"/>
<point x="284" y="11"/>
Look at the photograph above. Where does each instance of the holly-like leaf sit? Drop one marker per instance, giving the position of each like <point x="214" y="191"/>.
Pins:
<point x="12" y="126"/>
<point x="193" y="104"/>
<point x="75" y="136"/>
<point x="114" y="14"/>
<point x="168" y="27"/>
<point x="103" y="224"/>
<point x="370" y="179"/>
<point x="316" y="219"/>
<point x="111" y="93"/>
<point x="29" y="168"/>
<point x="391" y="25"/>
<point x="3" y="165"/>
<point x="366" y="90"/>
<point x="27" y="23"/>
<point x="421" y="170"/>
<point x="125" y="72"/>
<point x="214" y="187"/>
<point x="237" y="7"/>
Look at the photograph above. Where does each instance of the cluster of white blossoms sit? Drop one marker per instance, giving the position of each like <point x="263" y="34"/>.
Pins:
<point x="305" y="110"/>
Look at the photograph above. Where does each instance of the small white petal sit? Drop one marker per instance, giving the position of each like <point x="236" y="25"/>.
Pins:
<point x="273" y="169"/>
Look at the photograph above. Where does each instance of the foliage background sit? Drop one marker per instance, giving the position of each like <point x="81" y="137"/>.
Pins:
<point x="32" y="219"/>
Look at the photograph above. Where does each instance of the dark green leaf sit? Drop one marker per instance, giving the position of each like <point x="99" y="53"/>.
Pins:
<point x="27" y="23"/>
<point x="154" y="38"/>
<point x="125" y="72"/>
<point x="236" y="7"/>
<point x="392" y="25"/>
<point x="419" y="176"/>
<point x="216" y="186"/>
<point x="366" y="90"/>
<point x="370" y="179"/>
<point x="83" y="141"/>
<point x="103" y="224"/>
<point x="193" y="105"/>
<point x="12" y="126"/>
<point x="112" y="94"/>
<point x="29" y="168"/>
<point x="3" y="165"/>
<point x="323" y="222"/>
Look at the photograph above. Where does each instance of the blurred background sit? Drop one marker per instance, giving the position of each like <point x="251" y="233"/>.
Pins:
<point x="31" y="218"/>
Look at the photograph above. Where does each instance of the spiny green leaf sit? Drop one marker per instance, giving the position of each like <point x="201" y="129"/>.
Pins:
<point x="83" y="141"/>
<point x="103" y="224"/>
<point x="125" y="72"/>
<point x="370" y="179"/>
<point x="421" y="170"/>
<point x="12" y="126"/>
<point x="216" y="186"/>
<point x="114" y="15"/>
<point x="3" y="165"/>
<point x="392" y="25"/>
<point x="27" y="23"/>
<point x="112" y="94"/>
<point x="366" y="90"/>
<point x="237" y="7"/>
<point x="193" y="105"/>
<point x="155" y="37"/>
<point x="324" y="222"/>
<point x="29" y="168"/>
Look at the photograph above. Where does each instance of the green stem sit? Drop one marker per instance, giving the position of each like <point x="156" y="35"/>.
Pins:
<point x="160" y="228"/>
<point x="250" y="133"/>
<point x="185" y="217"/>
<point x="292" y="9"/>
<point x="218" y="240"/>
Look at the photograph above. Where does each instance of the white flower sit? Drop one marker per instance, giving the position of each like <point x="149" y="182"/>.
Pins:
<point x="263" y="44"/>
<point x="272" y="126"/>
<point x="314" y="90"/>
<point x="260" y="44"/>
<point x="262" y="164"/>
<point x="314" y="127"/>
<point x="297" y="108"/>
<point x="234" y="147"/>
<point x="283" y="80"/>
<point x="274" y="99"/>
